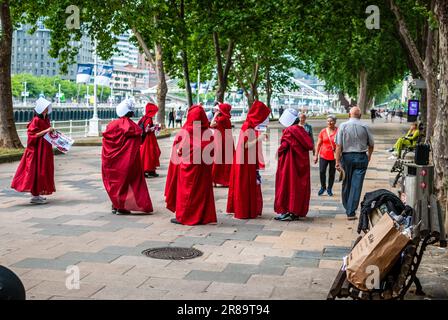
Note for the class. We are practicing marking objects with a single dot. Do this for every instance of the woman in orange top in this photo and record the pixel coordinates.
(325, 151)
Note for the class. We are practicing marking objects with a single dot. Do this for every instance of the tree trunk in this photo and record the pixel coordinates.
(8, 133)
(162, 88)
(362, 91)
(431, 76)
(158, 63)
(183, 53)
(425, 67)
(223, 73)
(268, 88)
(344, 102)
(440, 138)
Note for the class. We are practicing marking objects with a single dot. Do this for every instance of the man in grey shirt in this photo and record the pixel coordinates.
(354, 148)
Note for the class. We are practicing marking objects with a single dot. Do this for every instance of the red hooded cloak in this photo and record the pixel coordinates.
(35, 172)
(245, 199)
(149, 150)
(223, 136)
(292, 180)
(122, 171)
(189, 188)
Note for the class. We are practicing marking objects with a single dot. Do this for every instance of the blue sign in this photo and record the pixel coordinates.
(413, 107)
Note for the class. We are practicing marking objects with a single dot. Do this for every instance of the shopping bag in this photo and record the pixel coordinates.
(372, 258)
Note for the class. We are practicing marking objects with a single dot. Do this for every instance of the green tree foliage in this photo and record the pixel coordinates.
(49, 87)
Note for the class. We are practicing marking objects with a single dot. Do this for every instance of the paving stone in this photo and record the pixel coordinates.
(243, 235)
(187, 241)
(224, 276)
(253, 269)
(308, 254)
(89, 257)
(36, 263)
(289, 262)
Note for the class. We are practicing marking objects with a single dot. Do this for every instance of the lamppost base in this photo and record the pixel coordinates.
(94, 127)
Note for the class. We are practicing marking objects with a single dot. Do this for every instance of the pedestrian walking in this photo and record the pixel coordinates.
(354, 148)
(171, 118)
(149, 149)
(189, 188)
(35, 173)
(400, 115)
(373, 114)
(179, 116)
(326, 147)
(245, 199)
(121, 163)
(293, 170)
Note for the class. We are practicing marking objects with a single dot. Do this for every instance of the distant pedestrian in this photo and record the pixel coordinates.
(400, 115)
(171, 118)
(373, 114)
(354, 148)
(325, 150)
(35, 173)
(179, 115)
(280, 111)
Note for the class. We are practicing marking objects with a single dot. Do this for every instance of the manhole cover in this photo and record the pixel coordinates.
(172, 253)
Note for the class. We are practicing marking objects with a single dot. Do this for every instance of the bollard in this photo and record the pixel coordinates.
(71, 128)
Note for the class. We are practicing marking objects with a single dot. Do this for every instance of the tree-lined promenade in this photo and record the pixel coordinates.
(358, 49)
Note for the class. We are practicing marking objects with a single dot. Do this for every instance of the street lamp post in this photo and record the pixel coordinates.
(59, 95)
(94, 123)
(24, 93)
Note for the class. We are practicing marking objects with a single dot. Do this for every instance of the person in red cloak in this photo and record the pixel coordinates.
(292, 180)
(35, 173)
(224, 146)
(149, 150)
(121, 167)
(189, 188)
(245, 199)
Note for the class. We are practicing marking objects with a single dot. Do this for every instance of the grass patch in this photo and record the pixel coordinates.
(324, 116)
(10, 152)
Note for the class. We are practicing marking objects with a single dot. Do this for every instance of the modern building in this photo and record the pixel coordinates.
(144, 64)
(30, 53)
(129, 80)
(127, 52)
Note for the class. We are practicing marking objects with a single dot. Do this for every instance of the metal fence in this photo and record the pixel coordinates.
(72, 128)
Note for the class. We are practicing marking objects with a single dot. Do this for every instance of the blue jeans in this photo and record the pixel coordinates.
(355, 167)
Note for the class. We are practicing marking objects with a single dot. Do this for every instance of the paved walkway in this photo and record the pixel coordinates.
(243, 259)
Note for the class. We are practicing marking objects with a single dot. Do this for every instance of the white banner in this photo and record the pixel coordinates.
(104, 75)
(84, 73)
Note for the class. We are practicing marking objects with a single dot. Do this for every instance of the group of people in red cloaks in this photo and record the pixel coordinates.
(203, 156)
